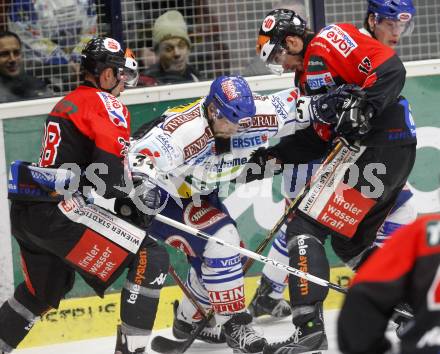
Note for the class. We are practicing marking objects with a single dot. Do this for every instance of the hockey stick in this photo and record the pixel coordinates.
(185, 290)
(292, 206)
(166, 345)
(169, 346)
(244, 251)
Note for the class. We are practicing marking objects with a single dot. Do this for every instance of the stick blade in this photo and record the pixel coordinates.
(167, 346)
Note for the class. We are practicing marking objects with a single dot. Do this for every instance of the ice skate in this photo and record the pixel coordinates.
(309, 337)
(241, 337)
(183, 329)
(263, 304)
(121, 345)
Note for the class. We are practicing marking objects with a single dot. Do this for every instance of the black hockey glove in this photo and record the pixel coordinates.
(324, 108)
(346, 109)
(142, 207)
(353, 119)
(262, 163)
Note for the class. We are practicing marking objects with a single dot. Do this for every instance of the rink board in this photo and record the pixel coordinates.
(92, 317)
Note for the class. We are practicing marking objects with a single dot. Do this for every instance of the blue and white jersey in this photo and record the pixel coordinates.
(182, 154)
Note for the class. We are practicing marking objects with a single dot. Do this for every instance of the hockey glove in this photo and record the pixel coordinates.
(353, 119)
(262, 163)
(142, 205)
(324, 108)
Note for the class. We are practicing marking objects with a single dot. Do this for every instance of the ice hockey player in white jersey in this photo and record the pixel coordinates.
(190, 151)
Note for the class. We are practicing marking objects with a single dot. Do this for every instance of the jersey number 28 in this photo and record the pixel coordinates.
(52, 138)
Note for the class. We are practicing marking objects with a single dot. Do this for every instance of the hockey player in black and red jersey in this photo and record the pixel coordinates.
(352, 204)
(406, 269)
(62, 233)
(386, 21)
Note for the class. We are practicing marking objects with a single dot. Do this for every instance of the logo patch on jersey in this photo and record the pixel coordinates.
(97, 255)
(260, 98)
(112, 45)
(227, 301)
(229, 90)
(197, 145)
(114, 108)
(103, 222)
(242, 143)
(180, 243)
(65, 106)
(268, 23)
(320, 80)
(175, 122)
(433, 233)
(281, 102)
(345, 210)
(316, 64)
(339, 39)
(68, 205)
(202, 216)
(166, 146)
(266, 121)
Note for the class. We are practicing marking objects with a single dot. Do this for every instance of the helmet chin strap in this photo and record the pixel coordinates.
(110, 90)
(98, 83)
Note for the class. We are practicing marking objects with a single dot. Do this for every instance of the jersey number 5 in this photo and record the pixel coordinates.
(52, 139)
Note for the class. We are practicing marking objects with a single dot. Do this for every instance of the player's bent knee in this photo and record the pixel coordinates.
(228, 234)
(145, 279)
(305, 241)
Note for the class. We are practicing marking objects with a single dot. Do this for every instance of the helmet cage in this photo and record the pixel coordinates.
(271, 44)
(96, 57)
(129, 73)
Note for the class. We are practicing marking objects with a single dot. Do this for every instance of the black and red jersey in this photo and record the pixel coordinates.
(406, 269)
(341, 54)
(88, 126)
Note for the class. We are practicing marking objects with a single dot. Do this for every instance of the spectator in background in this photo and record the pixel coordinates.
(15, 84)
(172, 47)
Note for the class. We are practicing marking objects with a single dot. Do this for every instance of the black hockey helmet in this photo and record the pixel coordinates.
(104, 52)
(277, 25)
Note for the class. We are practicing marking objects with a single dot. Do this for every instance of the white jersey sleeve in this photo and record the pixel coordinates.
(161, 149)
(291, 110)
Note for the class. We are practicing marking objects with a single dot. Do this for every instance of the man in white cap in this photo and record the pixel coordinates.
(172, 46)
